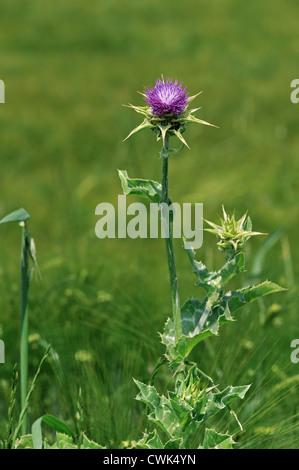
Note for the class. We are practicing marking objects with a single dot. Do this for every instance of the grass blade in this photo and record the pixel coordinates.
(51, 421)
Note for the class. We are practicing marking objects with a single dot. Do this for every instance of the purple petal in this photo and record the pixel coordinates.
(166, 97)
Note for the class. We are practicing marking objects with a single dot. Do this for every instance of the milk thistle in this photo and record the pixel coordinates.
(196, 398)
(167, 112)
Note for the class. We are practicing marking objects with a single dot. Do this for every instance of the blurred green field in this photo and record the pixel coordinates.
(68, 67)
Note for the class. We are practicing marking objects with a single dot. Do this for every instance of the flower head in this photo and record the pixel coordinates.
(167, 110)
(166, 97)
(232, 234)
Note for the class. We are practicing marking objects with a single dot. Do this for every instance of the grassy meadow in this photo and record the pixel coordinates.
(68, 67)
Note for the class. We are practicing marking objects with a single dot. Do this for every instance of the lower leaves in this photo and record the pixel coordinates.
(62, 441)
(185, 411)
(215, 440)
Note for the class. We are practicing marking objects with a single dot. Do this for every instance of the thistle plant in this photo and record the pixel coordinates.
(180, 419)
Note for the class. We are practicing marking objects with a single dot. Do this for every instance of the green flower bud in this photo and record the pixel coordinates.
(232, 234)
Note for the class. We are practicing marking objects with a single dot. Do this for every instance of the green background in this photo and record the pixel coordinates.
(68, 67)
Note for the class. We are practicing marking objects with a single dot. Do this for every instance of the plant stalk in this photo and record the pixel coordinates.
(24, 323)
(176, 310)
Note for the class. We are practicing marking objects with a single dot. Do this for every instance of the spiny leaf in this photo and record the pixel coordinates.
(199, 320)
(24, 442)
(238, 298)
(88, 444)
(162, 412)
(174, 444)
(148, 395)
(213, 281)
(215, 440)
(150, 441)
(232, 267)
(63, 441)
(140, 187)
(181, 412)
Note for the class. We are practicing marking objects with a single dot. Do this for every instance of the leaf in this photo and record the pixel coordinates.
(237, 299)
(218, 401)
(231, 268)
(215, 440)
(212, 281)
(167, 153)
(153, 441)
(162, 412)
(62, 441)
(88, 444)
(51, 421)
(19, 215)
(183, 411)
(205, 279)
(195, 317)
(173, 444)
(199, 320)
(24, 442)
(148, 395)
(150, 441)
(140, 187)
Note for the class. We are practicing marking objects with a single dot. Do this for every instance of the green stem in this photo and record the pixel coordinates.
(24, 323)
(24, 409)
(176, 310)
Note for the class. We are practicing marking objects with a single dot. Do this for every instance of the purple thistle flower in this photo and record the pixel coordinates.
(167, 111)
(166, 97)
